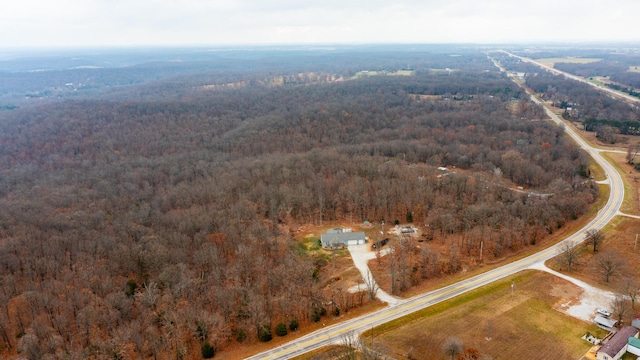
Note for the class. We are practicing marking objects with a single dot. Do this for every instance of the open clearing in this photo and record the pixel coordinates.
(383, 72)
(634, 68)
(528, 325)
(551, 61)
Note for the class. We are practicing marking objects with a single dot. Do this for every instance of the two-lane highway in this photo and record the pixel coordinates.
(335, 333)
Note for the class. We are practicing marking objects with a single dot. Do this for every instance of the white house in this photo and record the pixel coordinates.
(340, 238)
(617, 345)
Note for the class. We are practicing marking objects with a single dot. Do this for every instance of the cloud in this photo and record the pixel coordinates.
(192, 22)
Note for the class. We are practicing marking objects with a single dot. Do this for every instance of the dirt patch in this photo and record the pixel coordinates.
(569, 295)
(565, 291)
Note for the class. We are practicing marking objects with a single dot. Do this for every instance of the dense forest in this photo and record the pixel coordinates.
(154, 221)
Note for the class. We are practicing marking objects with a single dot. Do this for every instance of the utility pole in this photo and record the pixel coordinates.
(512, 284)
(372, 336)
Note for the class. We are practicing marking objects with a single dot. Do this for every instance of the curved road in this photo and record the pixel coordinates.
(335, 333)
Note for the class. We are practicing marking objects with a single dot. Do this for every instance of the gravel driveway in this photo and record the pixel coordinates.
(591, 298)
(361, 255)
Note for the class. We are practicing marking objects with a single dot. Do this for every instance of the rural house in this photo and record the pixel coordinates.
(339, 238)
(617, 345)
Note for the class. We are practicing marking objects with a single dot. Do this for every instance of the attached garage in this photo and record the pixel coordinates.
(337, 238)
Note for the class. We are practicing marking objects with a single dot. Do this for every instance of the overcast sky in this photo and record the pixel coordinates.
(53, 23)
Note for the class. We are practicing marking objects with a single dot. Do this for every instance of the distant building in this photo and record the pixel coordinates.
(408, 229)
(617, 345)
(339, 238)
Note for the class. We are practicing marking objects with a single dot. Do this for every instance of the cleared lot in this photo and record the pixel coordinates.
(525, 325)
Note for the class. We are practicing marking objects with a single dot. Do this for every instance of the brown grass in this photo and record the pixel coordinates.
(620, 234)
(620, 237)
(524, 327)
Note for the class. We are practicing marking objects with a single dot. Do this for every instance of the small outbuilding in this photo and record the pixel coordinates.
(617, 344)
(605, 323)
(633, 346)
(636, 321)
(338, 238)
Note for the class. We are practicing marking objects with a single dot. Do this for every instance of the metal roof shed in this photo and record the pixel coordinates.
(604, 322)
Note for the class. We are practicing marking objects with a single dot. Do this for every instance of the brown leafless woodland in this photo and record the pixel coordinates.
(145, 223)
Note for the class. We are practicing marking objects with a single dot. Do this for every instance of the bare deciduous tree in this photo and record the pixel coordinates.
(619, 307)
(452, 347)
(569, 256)
(372, 285)
(632, 290)
(594, 238)
(608, 264)
(349, 342)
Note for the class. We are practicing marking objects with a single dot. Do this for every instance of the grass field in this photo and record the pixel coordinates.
(525, 326)
(360, 74)
(551, 61)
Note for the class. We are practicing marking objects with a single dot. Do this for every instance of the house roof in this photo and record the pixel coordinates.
(341, 238)
(599, 319)
(634, 341)
(618, 341)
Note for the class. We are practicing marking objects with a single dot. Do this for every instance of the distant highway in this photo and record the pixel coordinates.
(617, 94)
(336, 333)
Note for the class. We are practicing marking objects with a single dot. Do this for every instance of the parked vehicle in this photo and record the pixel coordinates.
(379, 244)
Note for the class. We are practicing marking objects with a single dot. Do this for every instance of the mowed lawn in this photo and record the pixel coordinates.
(525, 326)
